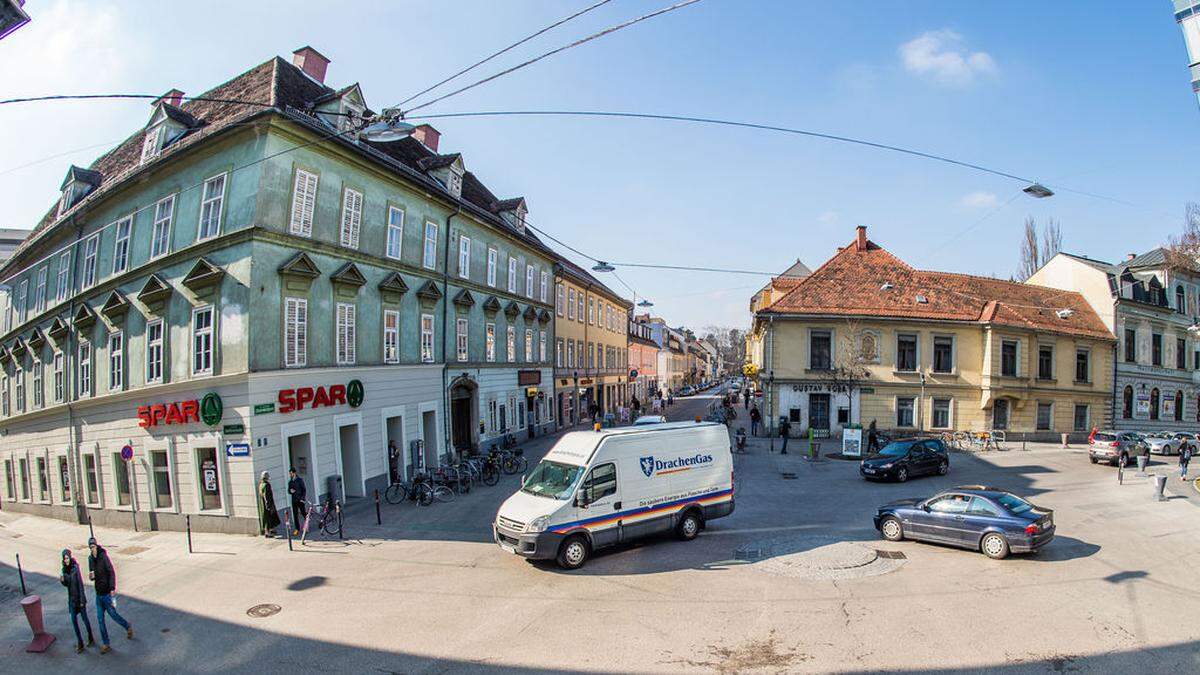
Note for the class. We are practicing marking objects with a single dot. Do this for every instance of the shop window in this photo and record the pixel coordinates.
(121, 480)
(64, 479)
(905, 406)
(941, 413)
(160, 469)
(520, 414)
(210, 479)
(91, 479)
(1178, 405)
(43, 479)
(1127, 403)
(1154, 403)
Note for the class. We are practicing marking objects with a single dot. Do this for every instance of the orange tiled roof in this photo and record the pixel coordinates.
(851, 283)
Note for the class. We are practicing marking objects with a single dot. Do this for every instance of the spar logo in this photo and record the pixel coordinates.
(651, 466)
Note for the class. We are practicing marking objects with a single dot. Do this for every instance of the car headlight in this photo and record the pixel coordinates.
(538, 524)
(887, 466)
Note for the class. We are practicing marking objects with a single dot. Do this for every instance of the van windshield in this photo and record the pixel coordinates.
(552, 479)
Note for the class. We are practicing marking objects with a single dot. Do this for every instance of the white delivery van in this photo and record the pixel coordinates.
(597, 488)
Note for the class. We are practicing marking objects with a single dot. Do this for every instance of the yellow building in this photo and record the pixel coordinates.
(867, 338)
(591, 345)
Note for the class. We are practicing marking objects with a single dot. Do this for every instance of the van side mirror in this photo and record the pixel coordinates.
(581, 499)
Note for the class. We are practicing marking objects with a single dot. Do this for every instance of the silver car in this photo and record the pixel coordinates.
(1161, 443)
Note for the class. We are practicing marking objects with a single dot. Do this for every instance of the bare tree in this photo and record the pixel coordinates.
(1183, 250)
(1030, 254)
(858, 349)
(1051, 240)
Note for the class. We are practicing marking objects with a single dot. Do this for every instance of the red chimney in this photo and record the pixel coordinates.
(174, 97)
(311, 62)
(860, 242)
(427, 135)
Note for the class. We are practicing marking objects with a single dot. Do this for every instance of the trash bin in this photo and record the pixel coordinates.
(333, 485)
(1142, 460)
(1064, 440)
(1160, 486)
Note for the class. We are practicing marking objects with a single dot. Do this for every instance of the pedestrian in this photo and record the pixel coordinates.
(755, 419)
(785, 427)
(267, 514)
(394, 461)
(1185, 456)
(872, 438)
(76, 599)
(746, 397)
(104, 580)
(636, 405)
(299, 492)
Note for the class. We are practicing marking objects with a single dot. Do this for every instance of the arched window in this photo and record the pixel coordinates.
(1154, 403)
(1127, 403)
(1179, 302)
(1179, 406)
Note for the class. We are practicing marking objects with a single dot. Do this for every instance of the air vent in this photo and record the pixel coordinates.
(921, 299)
(1065, 313)
(887, 286)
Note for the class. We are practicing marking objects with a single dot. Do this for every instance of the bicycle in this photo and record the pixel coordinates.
(438, 487)
(398, 491)
(513, 462)
(508, 441)
(329, 517)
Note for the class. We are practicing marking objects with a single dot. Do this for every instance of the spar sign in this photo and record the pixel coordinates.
(208, 410)
(291, 400)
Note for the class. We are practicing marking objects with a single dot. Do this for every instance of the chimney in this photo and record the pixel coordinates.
(860, 242)
(311, 62)
(1130, 256)
(427, 135)
(174, 97)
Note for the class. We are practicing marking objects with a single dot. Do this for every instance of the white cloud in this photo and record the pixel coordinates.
(828, 217)
(942, 56)
(980, 200)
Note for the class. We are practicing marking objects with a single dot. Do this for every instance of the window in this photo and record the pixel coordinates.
(492, 422)
(504, 417)
(121, 248)
(1083, 370)
(512, 274)
(161, 476)
(304, 202)
(591, 347)
(39, 389)
(941, 413)
(1180, 353)
(1156, 348)
(91, 479)
(460, 339)
(558, 353)
(39, 298)
(391, 336)
(24, 464)
(544, 289)
(19, 301)
(1045, 416)
(212, 199)
(427, 338)
(529, 281)
(906, 352)
(43, 479)
(1179, 302)
(116, 361)
(904, 411)
(591, 305)
(160, 233)
(819, 350)
(152, 143)
(1045, 362)
(202, 340)
(1008, 358)
(154, 352)
(9, 481)
(121, 479)
(464, 257)
(64, 479)
(511, 344)
(91, 249)
(395, 232)
(1178, 406)
(571, 304)
(528, 345)
(570, 353)
(490, 342)
(542, 355)
(429, 256)
(59, 378)
(580, 307)
(491, 267)
(64, 268)
(1081, 417)
(295, 332)
(1127, 403)
(351, 217)
(1130, 345)
(601, 482)
(818, 411)
(85, 368)
(1154, 402)
(559, 299)
(346, 320)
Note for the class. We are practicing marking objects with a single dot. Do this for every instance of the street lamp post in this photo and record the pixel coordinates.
(770, 400)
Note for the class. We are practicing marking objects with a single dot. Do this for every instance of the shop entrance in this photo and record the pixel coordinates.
(429, 438)
(299, 448)
(351, 459)
(531, 416)
(462, 415)
(393, 444)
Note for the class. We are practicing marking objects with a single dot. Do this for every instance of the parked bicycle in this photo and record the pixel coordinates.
(512, 461)
(327, 517)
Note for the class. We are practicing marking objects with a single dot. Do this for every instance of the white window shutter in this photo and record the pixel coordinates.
(351, 218)
(350, 341)
(304, 201)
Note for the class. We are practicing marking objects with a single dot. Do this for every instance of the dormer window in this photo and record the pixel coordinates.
(521, 219)
(77, 184)
(455, 180)
(68, 196)
(153, 143)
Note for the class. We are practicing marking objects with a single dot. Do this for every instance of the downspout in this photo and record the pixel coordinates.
(1112, 400)
(446, 332)
(73, 458)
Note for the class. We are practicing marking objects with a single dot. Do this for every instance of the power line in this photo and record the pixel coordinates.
(972, 226)
(502, 51)
(687, 268)
(61, 154)
(606, 31)
(88, 97)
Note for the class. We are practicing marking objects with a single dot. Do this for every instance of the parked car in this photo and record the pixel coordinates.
(977, 517)
(1162, 443)
(687, 391)
(1115, 447)
(900, 460)
(649, 419)
(1186, 439)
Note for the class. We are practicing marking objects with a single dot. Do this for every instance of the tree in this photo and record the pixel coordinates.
(1035, 253)
(1183, 250)
(858, 349)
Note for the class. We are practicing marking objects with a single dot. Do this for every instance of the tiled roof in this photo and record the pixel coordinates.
(180, 115)
(852, 283)
(439, 161)
(507, 204)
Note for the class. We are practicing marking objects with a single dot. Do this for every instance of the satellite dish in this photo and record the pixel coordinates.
(386, 130)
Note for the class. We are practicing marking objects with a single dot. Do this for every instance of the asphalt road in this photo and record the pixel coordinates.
(761, 591)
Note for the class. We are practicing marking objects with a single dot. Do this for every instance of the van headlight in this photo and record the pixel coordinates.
(538, 524)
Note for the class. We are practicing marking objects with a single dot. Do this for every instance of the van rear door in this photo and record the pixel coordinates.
(603, 491)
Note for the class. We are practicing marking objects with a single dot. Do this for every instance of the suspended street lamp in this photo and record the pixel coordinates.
(1038, 191)
(602, 266)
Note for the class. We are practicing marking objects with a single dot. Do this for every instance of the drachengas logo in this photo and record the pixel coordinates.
(648, 466)
(651, 466)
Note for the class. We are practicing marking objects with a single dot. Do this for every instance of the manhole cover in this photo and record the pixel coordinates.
(263, 611)
(891, 555)
(748, 553)
(821, 557)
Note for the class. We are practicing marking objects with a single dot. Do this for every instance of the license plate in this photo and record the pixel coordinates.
(508, 548)
(868, 470)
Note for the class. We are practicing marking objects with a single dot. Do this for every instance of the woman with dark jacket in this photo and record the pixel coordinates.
(76, 599)
(268, 515)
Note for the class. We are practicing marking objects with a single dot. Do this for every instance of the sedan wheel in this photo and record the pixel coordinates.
(943, 468)
(994, 546)
(901, 475)
(891, 529)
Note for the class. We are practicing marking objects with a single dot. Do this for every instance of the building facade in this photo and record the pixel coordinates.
(643, 360)
(867, 338)
(1152, 308)
(241, 288)
(1187, 15)
(591, 349)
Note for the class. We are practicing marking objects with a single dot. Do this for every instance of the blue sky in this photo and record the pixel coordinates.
(1089, 95)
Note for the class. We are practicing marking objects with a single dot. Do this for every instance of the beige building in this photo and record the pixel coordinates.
(868, 338)
(591, 345)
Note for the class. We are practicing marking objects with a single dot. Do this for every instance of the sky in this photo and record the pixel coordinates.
(1087, 96)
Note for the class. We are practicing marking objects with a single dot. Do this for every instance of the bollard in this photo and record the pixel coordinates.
(188, 522)
(287, 527)
(1141, 463)
(1160, 485)
(32, 604)
(21, 576)
(91, 532)
(378, 517)
(1121, 474)
(1064, 441)
(337, 507)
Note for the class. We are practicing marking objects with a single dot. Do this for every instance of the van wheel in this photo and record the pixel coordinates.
(574, 552)
(689, 526)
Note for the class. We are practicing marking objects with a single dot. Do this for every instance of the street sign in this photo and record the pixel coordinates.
(233, 429)
(264, 408)
(237, 449)
(127, 452)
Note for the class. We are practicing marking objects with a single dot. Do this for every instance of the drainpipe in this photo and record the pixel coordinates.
(446, 332)
(1112, 400)
(73, 458)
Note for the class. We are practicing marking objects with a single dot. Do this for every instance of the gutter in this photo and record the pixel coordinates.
(446, 334)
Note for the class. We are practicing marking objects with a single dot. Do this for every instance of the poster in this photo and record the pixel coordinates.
(852, 442)
(208, 469)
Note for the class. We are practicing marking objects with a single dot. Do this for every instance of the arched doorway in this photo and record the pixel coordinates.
(1154, 402)
(1127, 403)
(464, 405)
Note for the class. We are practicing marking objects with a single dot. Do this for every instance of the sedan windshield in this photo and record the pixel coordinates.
(552, 479)
(1014, 503)
(897, 449)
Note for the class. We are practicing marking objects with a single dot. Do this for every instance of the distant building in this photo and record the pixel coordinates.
(12, 16)
(1187, 14)
(10, 239)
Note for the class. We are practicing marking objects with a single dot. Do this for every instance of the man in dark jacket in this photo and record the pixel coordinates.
(299, 492)
(785, 430)
(76, 598)
(104, 576)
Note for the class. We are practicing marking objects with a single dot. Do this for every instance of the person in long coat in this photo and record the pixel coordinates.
(72, 578)
(268, 515)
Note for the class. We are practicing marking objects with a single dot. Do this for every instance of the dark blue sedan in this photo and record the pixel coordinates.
(974, 516)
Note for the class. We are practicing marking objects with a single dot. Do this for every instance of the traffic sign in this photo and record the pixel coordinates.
(127, 452)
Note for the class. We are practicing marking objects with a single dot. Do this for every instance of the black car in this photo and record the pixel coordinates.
(900, 460)
(972, 516)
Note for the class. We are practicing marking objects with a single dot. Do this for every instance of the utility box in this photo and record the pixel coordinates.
(416, 457)
(333, 485)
